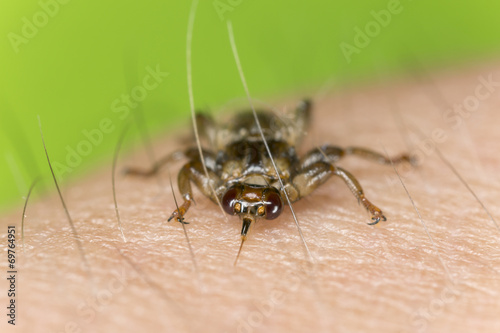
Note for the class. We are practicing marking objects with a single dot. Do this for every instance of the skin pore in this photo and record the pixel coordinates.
(385, 278)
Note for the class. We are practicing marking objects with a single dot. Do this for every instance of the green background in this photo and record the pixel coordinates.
(89, 53)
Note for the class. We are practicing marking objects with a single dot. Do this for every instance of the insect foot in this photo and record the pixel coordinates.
(375, 212)
(179, 212)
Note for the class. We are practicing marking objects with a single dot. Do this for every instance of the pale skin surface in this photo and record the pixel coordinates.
(364, 278)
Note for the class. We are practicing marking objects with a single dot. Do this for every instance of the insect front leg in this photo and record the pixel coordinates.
(314, 175)
(194, 172)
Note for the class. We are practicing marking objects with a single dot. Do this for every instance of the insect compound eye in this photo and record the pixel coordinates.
(229, 200)
(274, 204)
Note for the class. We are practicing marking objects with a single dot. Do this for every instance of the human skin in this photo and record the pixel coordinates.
(384, 278)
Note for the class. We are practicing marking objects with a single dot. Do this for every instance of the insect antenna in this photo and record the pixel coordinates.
(24, 208)
(113, 172)
(448, 275)
(189, 39)
(180, 219)
(70, 220)
(243, 81)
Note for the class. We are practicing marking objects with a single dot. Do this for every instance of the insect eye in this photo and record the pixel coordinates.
(274, 204)
(229, 200)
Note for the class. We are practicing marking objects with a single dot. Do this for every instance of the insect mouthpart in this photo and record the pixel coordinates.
(247, 222)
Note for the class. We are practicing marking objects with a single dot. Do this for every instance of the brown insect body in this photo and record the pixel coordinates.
(249, 186)
(241, 176)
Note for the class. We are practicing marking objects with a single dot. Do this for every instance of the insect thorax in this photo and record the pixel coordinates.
(244, 156)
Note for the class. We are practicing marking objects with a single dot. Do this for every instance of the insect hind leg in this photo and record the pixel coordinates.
(156, 167)
(332, 154)
(377, 157)
(303, 115)
(207, 128)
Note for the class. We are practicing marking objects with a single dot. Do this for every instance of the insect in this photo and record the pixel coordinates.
(241, 176)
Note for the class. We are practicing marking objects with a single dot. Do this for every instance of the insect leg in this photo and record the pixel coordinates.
(325, 153)
(191, 153)
(380, 158)
(193, 172)
(207, 128)
(356, 189)
(302, 120)
(328, 153)
(309, 178)
(156, 167)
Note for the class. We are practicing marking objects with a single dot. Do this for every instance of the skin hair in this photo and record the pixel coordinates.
(385, 278)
